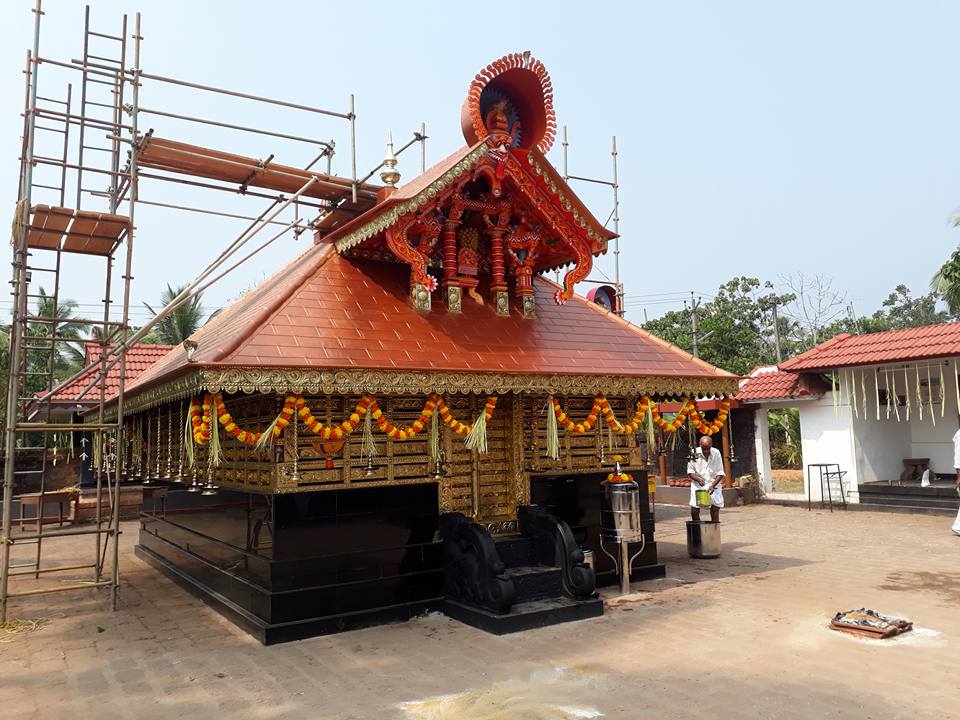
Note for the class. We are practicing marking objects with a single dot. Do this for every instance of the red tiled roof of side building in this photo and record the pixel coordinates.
(327, 311)
(771, 383)
(845, 350)
(139, 358)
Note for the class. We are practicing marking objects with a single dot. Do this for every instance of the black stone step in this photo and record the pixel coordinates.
(524, 616)
(901, 508)
(516, 551)
(535, 582)
(912, 500)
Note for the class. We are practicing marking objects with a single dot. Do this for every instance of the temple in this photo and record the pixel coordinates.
(409, 415)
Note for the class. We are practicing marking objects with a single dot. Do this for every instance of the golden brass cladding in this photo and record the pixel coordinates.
(487, 488)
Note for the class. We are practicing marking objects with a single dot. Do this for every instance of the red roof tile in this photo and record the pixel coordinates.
(139, 358)
(845, 350)
(770, 383)
(324, 310)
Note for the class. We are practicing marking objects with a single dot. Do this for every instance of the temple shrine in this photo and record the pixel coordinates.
(409, 415)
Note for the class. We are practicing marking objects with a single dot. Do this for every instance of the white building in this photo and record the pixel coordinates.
(867, 404)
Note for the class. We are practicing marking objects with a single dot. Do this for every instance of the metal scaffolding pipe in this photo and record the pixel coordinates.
(247, 96)
(231, 126)
(16, 329)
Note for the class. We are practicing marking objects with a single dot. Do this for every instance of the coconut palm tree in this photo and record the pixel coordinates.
(946, 281)
(182, 322)
(68, 351)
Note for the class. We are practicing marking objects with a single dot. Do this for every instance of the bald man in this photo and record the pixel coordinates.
(705, 471)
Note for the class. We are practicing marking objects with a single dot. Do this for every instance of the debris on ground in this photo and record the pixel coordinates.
(869, 623)
(18, 626)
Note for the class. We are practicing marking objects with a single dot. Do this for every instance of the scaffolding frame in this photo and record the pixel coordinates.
(614, 215)
(122, 83)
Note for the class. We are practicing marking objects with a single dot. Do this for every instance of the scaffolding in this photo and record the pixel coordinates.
(100, 139)
(614, 215)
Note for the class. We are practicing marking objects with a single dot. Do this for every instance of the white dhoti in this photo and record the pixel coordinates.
(956, 524)
(716, 497)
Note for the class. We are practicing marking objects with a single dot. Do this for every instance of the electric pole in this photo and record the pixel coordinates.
(694, 304)
(776, 332)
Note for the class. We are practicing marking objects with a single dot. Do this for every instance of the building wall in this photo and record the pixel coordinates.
(934, 442)
(827, 437)
(881, 447)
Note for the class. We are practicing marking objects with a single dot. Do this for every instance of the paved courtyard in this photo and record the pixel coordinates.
(743, 636)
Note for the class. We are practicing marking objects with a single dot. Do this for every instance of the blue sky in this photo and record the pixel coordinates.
(755, 138)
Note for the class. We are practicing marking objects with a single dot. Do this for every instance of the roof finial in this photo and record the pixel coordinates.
(390, 175)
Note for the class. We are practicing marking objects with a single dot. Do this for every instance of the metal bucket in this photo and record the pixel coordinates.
(620, 510)
(703, 498)
(703, 539)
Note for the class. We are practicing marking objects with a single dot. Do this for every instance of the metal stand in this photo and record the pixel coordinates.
(828, 472)
(623, 562)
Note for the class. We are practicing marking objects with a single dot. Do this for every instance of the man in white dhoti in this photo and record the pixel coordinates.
(706, 473)
(956, 465)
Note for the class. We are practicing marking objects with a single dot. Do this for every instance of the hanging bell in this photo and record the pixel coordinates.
(209, 488)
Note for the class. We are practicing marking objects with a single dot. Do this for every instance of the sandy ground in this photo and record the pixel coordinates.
(744, 636)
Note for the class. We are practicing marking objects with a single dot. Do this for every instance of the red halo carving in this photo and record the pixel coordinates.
(525, 81)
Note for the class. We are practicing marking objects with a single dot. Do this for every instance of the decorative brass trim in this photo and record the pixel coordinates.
(354, 382)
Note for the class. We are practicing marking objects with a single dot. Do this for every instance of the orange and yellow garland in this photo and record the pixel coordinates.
(601, 406)
(200, 418)
(296, 405)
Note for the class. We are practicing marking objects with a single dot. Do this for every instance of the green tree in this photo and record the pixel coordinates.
(67, 351)
(182, 322)
(734, 328)
(946, 281)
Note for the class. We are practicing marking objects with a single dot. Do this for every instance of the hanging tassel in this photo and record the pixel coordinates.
(188, 442)
(919, 395)
(876, 386)
(651, 434)
(956, 384)
(863, 392)
(886, 384)
(896, 397)
(434, 435)
(477, 437)
(216, 452)
(833, 392)
(906, 389)
(852, 384)
(266, 438)
(369, 448)
(553, 436)
(943, 393)
(933, 415)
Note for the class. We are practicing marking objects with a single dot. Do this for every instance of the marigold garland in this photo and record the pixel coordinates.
(601, 406)
(460, 427)
(678, 419)
(708, 428)
(296, 406)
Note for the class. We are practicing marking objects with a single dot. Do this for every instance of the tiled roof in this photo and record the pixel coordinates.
(771, 383)
(930, 341)
(139, 358)
(324, 310)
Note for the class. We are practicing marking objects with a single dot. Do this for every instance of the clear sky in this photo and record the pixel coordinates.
(756, 138)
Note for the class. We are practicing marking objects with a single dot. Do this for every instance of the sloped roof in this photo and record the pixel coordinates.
(139, 358)
(327, 311)
(771, 383)
(845, 350)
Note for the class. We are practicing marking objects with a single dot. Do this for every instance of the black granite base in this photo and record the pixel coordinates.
(291, 566)
(524, 616)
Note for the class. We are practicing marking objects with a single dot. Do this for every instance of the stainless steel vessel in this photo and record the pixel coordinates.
(620, 511)
(703, 539)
